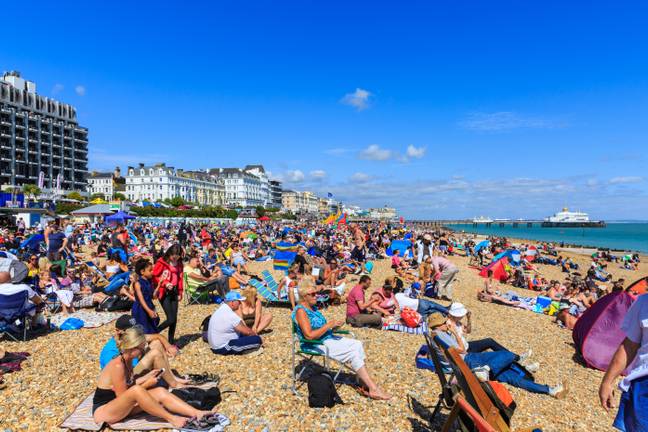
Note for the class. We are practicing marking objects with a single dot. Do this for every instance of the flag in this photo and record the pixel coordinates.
(282, 259)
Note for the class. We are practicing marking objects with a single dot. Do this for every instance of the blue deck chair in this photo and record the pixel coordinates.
(265, 292)
(15, 307)
(272, 284)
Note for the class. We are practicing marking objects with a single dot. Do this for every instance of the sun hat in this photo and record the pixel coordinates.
(435, 320)
(233, 296)
(457, 310)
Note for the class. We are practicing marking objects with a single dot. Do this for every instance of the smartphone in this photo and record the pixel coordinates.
(160, 372)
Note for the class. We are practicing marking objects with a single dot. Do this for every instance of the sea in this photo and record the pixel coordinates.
(626, 236)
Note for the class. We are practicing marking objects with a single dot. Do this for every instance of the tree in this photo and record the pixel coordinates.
(75, 196)
(176, 201)
(120, 196)
(31, 190)
(260, 211)
(97, 196)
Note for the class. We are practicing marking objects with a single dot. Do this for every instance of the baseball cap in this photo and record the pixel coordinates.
(457, 310)
(233, 296)
(125, 322)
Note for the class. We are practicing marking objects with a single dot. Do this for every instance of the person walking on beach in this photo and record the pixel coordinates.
(632, 415)
(143, 309)
(167, 278)
(444, 271)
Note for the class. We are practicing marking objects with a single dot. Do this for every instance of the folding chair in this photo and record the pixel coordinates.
(475, 396)
(269, 296)
(308, 349)
(268, 279)
(194, 294)
(15, 307)
(449, 388)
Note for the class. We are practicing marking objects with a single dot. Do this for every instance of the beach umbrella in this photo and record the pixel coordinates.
(263, 219)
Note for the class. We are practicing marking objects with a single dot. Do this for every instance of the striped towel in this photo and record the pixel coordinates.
(421, 329)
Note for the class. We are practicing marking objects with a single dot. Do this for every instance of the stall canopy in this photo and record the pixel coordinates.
(119, 217)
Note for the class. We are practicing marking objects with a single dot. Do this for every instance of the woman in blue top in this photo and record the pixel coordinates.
(143, 309)
(311, 324)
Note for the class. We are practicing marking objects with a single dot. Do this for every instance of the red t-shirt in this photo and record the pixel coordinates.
(355, 295)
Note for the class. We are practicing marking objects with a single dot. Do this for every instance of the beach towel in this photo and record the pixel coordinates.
(91, 319)
(421, 329)
(81, 418)
(11, 361)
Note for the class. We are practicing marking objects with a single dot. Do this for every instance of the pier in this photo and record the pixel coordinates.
(528, 223)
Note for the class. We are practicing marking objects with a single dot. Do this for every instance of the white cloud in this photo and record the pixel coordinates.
(294, 176)
(359, 99)
(504, 121)
(360, 177)
(318, 174)
(58, 88)
(80, 90)
(415, 152)
(625, 180)
(374, 152)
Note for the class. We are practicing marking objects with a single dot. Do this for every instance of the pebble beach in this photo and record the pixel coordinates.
(63, 368)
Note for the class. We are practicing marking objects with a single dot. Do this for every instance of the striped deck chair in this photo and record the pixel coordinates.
(272, 284)
(265, 292)
(92, 266)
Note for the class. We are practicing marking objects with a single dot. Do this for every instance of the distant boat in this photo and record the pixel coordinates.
(569, 219)
(482, 219)
(502, 220)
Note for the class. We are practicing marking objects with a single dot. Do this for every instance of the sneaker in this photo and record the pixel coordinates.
(532, 367)
(482, 373)
(255, 352)
(525, 356)
(559, 391)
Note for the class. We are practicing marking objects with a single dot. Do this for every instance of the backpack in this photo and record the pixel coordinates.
(322, 392)
(201, 399)
(115, 303)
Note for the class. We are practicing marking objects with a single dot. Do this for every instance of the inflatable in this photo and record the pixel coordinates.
(597, 333)
(399, 245)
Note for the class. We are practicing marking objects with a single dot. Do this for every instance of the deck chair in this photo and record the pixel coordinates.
(309, 349)
(268, 295)
(449, 388)
(92, 266)
(15, 307)
(475, 396)
(194, 294)
(268, 279)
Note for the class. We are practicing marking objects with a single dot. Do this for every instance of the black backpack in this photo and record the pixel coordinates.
(201, 399)
(322, 392)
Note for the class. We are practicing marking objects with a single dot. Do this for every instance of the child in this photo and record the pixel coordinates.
(143, 309)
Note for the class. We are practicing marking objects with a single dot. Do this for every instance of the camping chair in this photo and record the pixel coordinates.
(449, 388)
(194, 293)
(308, 349)
(15, 307)
(92, 266)
(475, 396)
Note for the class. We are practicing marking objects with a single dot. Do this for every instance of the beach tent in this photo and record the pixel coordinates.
(119, 217)
(639, 287)
(598, 333)
(33, 242)
(399, 245)
(499, 269)
(512, 255)
(531, 253)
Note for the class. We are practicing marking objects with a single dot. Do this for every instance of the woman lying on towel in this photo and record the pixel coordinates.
(119, 393)
(489, 295)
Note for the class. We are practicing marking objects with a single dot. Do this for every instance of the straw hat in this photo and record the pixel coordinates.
(435, 320)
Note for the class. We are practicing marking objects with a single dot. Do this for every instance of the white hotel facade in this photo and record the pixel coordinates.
(159, 182)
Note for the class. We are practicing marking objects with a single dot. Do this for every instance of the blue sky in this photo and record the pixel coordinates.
(441, 109)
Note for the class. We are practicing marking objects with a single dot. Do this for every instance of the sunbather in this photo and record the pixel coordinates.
(121, 393)
(311, 324)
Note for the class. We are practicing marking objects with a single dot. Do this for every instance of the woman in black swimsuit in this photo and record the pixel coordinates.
(118, 394)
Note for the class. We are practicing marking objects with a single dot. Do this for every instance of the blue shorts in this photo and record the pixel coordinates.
(633, 408)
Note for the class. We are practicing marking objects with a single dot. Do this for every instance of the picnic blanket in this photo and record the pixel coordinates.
(397, 326)
(81, 419)
(91, 319)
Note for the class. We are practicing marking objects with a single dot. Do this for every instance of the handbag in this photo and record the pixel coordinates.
(410, 317)
(322, 392)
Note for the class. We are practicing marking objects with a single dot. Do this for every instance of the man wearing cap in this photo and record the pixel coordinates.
(445, 271)
(156, 357)
(12, 273)
(227, 333)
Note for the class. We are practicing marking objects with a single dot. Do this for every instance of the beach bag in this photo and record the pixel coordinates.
(72, 324)
(410, 317)
(322, 392)
(115, 303)
(201, 399)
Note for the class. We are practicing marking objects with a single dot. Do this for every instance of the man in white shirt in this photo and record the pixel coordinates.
(410, 299)
(633, 352)
(227, 333)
